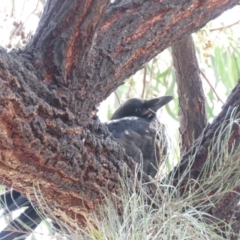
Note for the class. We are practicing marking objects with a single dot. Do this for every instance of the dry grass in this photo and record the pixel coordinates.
(170, 215)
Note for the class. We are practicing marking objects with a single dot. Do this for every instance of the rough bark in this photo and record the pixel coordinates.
(225, 206)
(81, 52)
(193, 119)
(73, 48)
(192, 110)
(210, 132)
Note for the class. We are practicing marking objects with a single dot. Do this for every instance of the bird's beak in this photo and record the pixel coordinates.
(156, 103)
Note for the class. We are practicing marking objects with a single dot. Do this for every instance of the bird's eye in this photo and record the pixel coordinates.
(138, 110)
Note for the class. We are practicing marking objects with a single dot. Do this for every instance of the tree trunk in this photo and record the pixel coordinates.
(81, 52)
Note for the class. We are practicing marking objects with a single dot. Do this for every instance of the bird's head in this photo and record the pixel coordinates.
(137, 107)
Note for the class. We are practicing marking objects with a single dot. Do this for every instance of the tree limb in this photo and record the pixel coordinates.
(49, 136)
(190, 92)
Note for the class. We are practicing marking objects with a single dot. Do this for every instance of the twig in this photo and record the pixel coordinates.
(144, 80)
(224, 27)
(12, 11)
(150, 76)
(129, 89)
(116, 95)
(211, 86)
(21, 25)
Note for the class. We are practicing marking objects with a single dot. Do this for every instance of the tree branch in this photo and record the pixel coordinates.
(100, 55)
(190, 92)
(201, 147)
(41, 142)
(49, 90)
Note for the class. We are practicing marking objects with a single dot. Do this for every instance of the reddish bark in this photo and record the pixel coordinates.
(81, 52)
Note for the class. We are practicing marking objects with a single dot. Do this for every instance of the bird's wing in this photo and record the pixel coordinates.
(138, 137)
(13, 200)
(24, 224)
(136, 124)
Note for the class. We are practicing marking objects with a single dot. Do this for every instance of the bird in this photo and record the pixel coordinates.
(135, 125)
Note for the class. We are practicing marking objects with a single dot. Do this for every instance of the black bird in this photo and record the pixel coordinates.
(137, 127)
